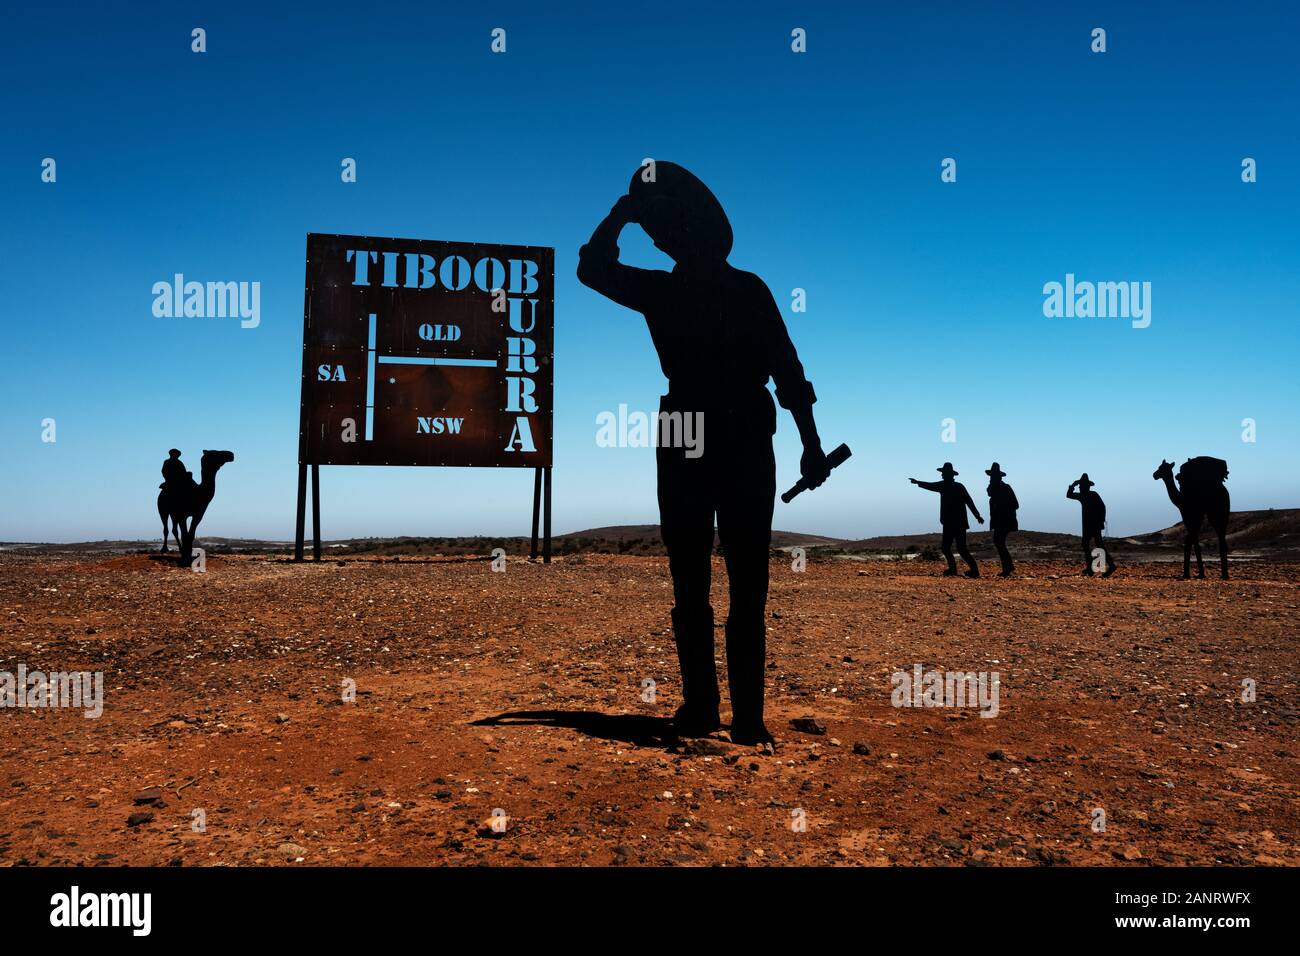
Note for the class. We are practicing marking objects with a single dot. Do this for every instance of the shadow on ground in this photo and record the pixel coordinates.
(628, 728)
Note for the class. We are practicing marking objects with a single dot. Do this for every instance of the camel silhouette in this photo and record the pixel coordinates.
(1199, 494)
(190, 500)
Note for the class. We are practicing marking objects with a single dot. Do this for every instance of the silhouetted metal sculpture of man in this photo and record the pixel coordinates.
(720, 337)
(954, 499)
(1094, 520)
(173, 470)
(1002, 515)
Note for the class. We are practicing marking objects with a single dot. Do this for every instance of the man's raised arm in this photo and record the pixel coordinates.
(599, 268)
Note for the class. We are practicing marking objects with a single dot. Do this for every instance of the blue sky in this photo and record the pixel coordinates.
(924, 298)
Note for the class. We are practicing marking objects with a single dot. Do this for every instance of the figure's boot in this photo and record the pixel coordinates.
(746, 658)
(698, 715)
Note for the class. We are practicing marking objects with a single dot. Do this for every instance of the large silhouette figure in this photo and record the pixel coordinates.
(1199, 494)
(1094, 520)
(1002, 515)
(720, 337)
(186, 498)
(954, 499)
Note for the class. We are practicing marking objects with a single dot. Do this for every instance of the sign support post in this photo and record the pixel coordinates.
(315, 512)
(537, 508)
(302, 511)
(546, 541)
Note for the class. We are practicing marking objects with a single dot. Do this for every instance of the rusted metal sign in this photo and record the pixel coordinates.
(418, 352)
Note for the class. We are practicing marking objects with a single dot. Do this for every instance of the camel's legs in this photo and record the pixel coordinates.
(1200, 565)
(187, 549)
(176, 530)
(1187, 556)
(164, 547)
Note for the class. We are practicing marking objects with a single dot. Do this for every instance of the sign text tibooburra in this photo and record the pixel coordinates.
(417, 352)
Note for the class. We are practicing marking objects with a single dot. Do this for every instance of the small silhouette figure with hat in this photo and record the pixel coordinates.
(1094, 520)
(175, 480)
(1002, 515)
(954, 499)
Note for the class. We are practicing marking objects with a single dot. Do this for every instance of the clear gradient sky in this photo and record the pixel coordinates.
(924, 298)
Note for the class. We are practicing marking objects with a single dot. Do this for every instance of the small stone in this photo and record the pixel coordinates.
(139, 817)
(704, 747)
(808, 725)
(292, 851)
(149, 795)
(861, 749)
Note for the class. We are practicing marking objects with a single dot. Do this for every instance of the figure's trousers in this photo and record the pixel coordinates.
(735, 479)
(955, 534)
(1000, 542)
(1089, 535)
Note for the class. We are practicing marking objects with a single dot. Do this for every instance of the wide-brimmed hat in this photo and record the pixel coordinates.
(1084, 482)
(996, 471)
(947, 470)
(688, 205)
(174, 452)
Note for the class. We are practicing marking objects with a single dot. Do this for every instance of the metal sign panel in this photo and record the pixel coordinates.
(418, 352)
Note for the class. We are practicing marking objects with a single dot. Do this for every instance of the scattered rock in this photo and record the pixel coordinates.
(704, 747)
(808, 725)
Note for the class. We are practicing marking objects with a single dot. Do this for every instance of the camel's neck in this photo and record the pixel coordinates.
(1174, 494)
(209, 482)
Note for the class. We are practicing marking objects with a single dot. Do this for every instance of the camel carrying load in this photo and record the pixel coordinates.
(1199, 495)
(1203, 472)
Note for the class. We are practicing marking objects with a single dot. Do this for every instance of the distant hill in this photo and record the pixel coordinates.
(1272, 534)
(1274, 529)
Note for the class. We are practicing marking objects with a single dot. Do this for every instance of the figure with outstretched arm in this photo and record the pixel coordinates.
(719, 337)
(954, 500)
